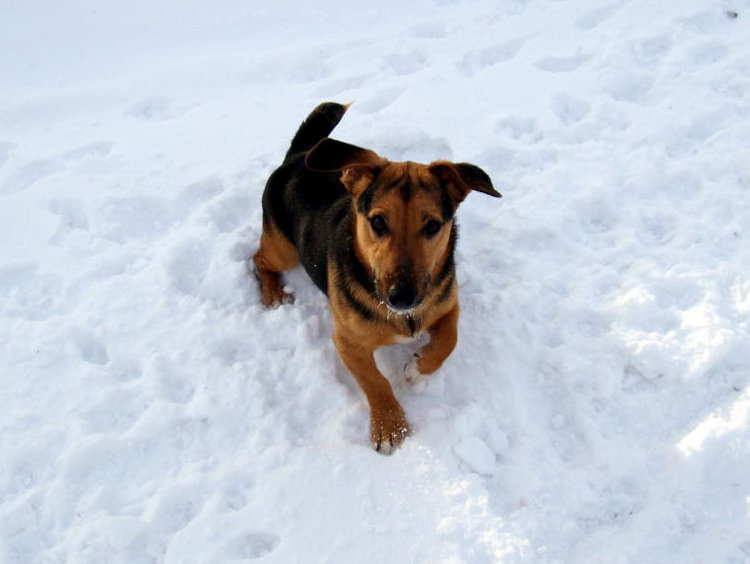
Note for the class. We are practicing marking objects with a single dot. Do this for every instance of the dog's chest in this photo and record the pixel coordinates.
(403, 339)
(409, 330)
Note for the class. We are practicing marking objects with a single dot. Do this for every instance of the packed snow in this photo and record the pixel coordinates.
(597, 407)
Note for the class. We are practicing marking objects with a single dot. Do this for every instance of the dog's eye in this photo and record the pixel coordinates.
(379, 225)
(431, 228)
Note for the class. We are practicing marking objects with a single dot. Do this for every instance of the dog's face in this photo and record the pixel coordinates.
(403, 224)
(403, 229)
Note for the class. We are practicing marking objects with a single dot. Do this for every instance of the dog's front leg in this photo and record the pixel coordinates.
(443, 338)
(388, 425)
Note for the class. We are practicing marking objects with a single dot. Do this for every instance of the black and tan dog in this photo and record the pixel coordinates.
(378, 238)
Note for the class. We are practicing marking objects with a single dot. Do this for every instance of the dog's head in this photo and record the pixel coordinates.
(403, 228)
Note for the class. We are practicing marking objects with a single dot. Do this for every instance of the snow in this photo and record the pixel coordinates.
(597, 406)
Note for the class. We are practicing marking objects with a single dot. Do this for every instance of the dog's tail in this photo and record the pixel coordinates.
(318, 125)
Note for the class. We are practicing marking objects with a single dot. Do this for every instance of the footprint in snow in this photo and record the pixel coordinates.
(428, 30)
(73, 218)
(521, 129)
(171, 384)
(27, 293)
(480, 59)
(90, 347)
(5, 149)
(208, 198)
(706, 54)
(27, 175)
(475, 453)
(117, 412)
(652, 50)
(337, 87)
(237, 493)
(157, 108)
(598, 16)
(175, 507)
(95, 149)
(253, 545)
(125, 370)
(380, 100)
(187, 263)
(202, 190)
(561, 64)
(406, 63)
(132, 218)
(628, 86)
(568, 109)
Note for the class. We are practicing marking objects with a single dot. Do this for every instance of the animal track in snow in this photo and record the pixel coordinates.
(171, 384)
(72, 218)
(380, 100)
(131, 218)
(5, 149)
(337, 87)
(27, 293)
(175, 507)
(187, 264)
(237, 493)
(480, 59)
(118, 411)
(521, 129)
(628, 86)
(568, 109)
(29, 174)
(414, 145)
(407, 62)
(561, 64)
(706, 53)
(90, 347)
(253, 545)
(475, 453)
(95, 149)
(125, 369)
(157, 108)
(71, 212)
(428, 30)
(598, 16)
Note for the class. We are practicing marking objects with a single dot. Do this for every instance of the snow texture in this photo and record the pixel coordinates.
(597, 407)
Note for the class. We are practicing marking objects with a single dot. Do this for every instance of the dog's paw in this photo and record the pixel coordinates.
(275, 299)
(272, 292)
(388, 429)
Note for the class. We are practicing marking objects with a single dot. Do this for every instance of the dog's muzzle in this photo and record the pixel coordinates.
(402, 297)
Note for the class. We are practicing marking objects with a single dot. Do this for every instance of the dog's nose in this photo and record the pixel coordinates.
(402, 297)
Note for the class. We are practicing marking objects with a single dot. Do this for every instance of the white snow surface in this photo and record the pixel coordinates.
(597, 407)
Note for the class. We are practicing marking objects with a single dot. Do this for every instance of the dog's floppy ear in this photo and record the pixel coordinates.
(462, 178)
(358, 166)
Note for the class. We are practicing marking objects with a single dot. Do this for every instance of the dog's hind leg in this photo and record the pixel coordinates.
(275, 255)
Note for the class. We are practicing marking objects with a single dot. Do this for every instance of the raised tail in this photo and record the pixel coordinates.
(318, 125)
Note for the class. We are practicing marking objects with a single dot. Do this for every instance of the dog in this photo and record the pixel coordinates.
(378, 238)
